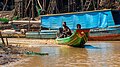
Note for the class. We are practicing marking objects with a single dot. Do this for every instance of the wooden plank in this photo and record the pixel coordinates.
(27, 22)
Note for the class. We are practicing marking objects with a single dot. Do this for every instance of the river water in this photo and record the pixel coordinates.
(95, 54)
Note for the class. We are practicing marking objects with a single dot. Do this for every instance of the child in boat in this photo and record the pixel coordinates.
(78, 26)
(59, 33)
(65, 31)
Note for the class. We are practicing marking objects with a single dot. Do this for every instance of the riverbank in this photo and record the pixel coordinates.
(95, 53)
(35, 45)
(25, 41)
(10, 53)
(14, 52)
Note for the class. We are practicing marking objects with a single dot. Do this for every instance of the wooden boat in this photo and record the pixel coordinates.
(77, 39)
(107, 34)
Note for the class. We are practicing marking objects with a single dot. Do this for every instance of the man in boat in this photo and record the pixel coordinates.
(65, 31)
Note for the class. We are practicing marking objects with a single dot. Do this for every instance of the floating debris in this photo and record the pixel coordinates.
(35, 53)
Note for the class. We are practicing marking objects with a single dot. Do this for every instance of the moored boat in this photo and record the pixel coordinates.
(77, 39)
(107, 34)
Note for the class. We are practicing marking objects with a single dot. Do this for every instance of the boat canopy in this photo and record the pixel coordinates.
(87, 19)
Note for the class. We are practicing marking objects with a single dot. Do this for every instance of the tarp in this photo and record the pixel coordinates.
(93, 19)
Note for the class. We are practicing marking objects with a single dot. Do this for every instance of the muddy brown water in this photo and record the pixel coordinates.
(95, 54)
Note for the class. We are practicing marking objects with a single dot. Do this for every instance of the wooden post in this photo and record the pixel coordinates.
(62, 5)
(27, 7)
(44, 4)
(29, 25)
(32, 9)
(94, 4)
(98, 2)
(22, 8)
(3, 42)
(68, 5)
(7, 41)
(39, 4)
(52, 7)
(81, 5)
(5, 5)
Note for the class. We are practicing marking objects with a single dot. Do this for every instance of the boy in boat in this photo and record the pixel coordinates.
(65, 31)
(78, 26)
(59, 33)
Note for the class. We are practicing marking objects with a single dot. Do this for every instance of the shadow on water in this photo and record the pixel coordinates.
(91, 47)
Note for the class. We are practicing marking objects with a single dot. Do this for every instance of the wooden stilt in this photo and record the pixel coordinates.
(52, 7)
(3, 42)
(93, 2)
(23, 7)
(29, 25)
(74, 5)
(33, 9)
(27, 6)
(5, 5)
(81, 4)
(98, 2)
(39, 4)
(87, 5)
(68, 5)
(44, 4)
(7, 41)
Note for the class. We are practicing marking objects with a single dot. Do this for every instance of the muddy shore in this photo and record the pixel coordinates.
(17, 46)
